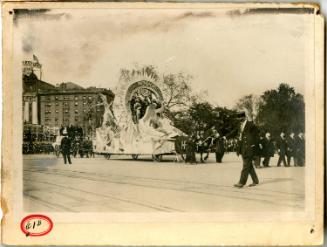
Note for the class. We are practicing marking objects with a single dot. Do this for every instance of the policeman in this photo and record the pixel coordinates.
(65, 147)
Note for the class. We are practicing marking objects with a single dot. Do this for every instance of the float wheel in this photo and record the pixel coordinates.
(135, 156)
(157, 157)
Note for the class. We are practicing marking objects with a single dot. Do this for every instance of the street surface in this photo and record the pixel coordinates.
(124, 185)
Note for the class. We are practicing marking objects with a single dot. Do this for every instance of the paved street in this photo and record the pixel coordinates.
(124, 185)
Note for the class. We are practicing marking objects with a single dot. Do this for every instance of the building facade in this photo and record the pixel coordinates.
(46, 106)
(81, 107)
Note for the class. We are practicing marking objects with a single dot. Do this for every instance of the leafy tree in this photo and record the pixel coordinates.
(281, 110)
(203, 116)
(227, 122)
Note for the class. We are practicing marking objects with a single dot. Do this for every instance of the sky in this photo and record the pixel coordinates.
(229, 53)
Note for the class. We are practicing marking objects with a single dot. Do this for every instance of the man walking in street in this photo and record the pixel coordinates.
(268, 150)
(282, 148)
(247, 148)
(65, 147)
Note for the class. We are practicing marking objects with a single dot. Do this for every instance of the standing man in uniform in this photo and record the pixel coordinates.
(65, 147)
(248, 143)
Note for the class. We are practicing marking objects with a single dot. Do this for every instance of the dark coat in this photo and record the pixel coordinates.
(65, 144)
(218, 145)
(249, 141)
(291, 146)
(190, 150)
(268, 148)
(282, 146)
(300, 147)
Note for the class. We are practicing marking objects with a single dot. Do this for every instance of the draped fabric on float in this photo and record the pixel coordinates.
(153, 133)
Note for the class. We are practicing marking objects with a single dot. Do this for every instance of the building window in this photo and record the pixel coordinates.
(65, 97)
(66, 111)
(84, 103)
(76, 98)
(56, 98)
(76, 111)
(84, 110)
(76, 119)
(84, 97)
(57, 111)
(65, 103)
(76, 103)
(57, 104)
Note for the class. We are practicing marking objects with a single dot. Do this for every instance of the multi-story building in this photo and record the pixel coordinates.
(77, 107)
(46, 106)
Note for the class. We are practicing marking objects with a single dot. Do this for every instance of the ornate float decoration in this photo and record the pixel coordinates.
(134, 123)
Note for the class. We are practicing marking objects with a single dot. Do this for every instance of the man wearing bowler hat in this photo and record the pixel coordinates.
(247, 148)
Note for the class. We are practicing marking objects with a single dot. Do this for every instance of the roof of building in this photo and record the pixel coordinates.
(74, 92)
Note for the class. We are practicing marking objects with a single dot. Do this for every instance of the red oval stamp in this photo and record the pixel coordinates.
(36, 225)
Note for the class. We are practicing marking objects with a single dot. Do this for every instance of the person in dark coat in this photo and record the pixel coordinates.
(300, 150)
(268, 149)
(257, 158)
(247, 146)
(190, 150)
(282, 149)
(291, 149)
(218, 147)
(85, 146)
(65, 147)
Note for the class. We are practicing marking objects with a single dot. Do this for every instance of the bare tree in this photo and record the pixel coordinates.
(177, 91)
(251, 103)
(176, 88)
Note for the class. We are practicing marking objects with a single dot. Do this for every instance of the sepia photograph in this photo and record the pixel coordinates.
(163, 113)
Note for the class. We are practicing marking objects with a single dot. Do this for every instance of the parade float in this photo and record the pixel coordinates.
(134, 123)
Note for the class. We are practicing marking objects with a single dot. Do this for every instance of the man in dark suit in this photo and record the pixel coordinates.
(247, 148)
(291, 149)
(218, 146)
(300, 150)
(282, 148)
(65, 147)
(190, 150)
(268, 149)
